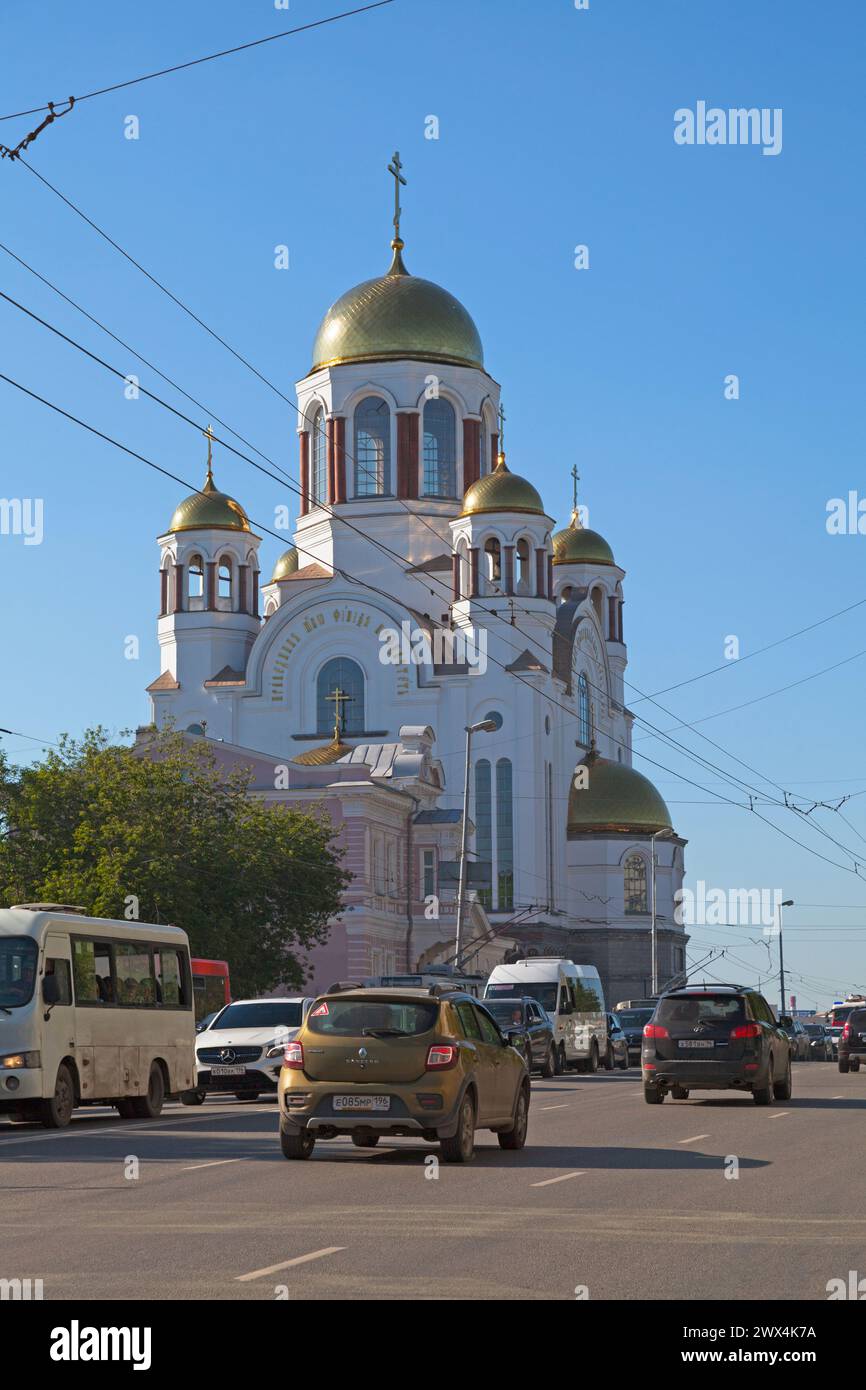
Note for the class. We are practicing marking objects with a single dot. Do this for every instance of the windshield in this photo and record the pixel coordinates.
(504, 1011)
(687, 1010)
(357, 1018)
(272, 1014)
(634, 1018)
(17, 971)
(543, 994)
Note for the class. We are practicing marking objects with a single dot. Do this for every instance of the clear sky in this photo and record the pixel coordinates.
(555, 129)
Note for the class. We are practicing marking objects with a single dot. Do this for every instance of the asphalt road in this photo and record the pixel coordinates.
(610, 1195)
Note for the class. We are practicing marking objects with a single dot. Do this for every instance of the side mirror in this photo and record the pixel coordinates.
(51, 989)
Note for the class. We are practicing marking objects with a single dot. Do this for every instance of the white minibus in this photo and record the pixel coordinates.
(571, 996)
(92, 1011)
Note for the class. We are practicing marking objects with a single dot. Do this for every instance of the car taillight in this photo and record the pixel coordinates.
(846, 1031)
(441, 1055)
(746, 1030)
(293, 1057)
(655, 1030)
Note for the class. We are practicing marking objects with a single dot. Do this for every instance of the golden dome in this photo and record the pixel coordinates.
(501, 491)
(394, 317)
(577, 545)
(286, 565)
(209, 510)
(616, 798)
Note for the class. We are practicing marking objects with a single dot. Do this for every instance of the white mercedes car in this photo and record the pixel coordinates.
(241, 1052)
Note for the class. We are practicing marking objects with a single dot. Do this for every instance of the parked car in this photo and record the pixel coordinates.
(715, 1037)
(617, 1045)
(820, 1042)
(852, 1042)
(539, 1047)
(798, 1037)
(633, 1021)
(242, 1050)
(432, 1064)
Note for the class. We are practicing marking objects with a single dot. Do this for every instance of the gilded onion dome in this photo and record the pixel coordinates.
(577, 545)
(397, 317)
(210, 509)
(616, 798)
(501, 491)
(286, 565)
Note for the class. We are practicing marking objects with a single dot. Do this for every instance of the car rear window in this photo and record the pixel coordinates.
(687, 1010)
(356, 1018)
(857, 1018)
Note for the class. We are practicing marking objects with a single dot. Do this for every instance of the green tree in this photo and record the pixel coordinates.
(99, 824)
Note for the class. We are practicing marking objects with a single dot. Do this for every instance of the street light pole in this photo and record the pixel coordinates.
(789, 902)
(485, 726)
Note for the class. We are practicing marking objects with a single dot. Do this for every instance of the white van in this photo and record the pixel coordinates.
(572, 997)
(92, 1011)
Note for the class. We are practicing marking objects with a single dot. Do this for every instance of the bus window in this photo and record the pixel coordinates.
(91, 969)
(171, 978)
(59, 967)
(135, 983)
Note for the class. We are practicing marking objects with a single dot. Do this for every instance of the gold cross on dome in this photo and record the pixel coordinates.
(209, 436)
(395, 168)
(575, 480)
(339, 698)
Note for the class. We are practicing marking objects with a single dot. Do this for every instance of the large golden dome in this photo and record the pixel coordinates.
(501, 491)
(209, 510)
(286, 565)
(577, 545)
(394, 317)
(616, 798)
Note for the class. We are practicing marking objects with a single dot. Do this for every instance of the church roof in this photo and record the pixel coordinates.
(164, 682)
(209, 510)
(527, 661)
(575, 544)
(616, 798)
(502, 491)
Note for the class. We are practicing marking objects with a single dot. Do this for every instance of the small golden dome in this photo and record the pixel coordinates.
(501, 491)
(209, 510)
(396, 317)
(616, 798)
(577, 545)
(286, 565)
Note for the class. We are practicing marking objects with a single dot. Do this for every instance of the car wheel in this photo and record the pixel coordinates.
(763, 1095)
(679, 1093)
(652, 1095)
(193, 1097)
(592, 1064)
(563, 1061)
(608, 1058)
(843, 1066)
(623, 1065)
(548, 1068)
(782, 1089)
(527, 1057)
(57, 1112)
(855, 1065)
(299, 1145)
(460, 1148)
(365, 1141)
(149, 1107)
(515, 1138)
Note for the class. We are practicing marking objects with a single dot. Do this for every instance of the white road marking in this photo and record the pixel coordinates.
(287, 1264)
(694, 1139)
(552, 1107)
(779, 1114)
(214, 1163)
(548, 1182)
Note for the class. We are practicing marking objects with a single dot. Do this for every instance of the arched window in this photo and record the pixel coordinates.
(344, 675)
(504, 835)
(483, 448)
(584, 724)
(567, 594)
(523, 576)
(493, 561)
(597, 600)
(319, 470)
(636, 899)
(484, 830)
(372, 447)
(224, 578)
(195, 577)
(440, 449)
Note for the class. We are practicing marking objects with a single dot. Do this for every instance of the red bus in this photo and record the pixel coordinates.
(210, 986)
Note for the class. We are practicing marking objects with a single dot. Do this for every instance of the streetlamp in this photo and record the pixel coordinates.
(484, 726)
(655, 943)
(789, 902)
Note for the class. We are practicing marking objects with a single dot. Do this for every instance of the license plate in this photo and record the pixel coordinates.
(696, 1042)
(367, 1103)
(228, 1071)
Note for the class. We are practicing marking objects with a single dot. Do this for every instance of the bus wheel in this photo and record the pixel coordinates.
(57, 1112)
(125, 1109)
(193, 1097)
(149, 1107)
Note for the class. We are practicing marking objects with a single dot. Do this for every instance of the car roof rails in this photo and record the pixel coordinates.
(438, 991)
(709, 984)
(341, 986)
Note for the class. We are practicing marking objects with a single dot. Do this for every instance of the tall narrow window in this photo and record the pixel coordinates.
(584, 731)
(224, 578)
(484, 449)
(428, 873)
(195, 575)
(524, 578)
(319, 471)
(484, 829)
(372, 447)
(504, 836)
(635, 884)
(440, 449)
(343, 679)
(493, 562)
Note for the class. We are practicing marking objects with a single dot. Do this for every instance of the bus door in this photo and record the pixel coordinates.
(58, 1028)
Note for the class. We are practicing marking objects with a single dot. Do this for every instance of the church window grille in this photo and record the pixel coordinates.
(584, 727)
(372, 447)
(504, 835)
(440, 449)
(340, 673)
(636, 896)
(319, 478)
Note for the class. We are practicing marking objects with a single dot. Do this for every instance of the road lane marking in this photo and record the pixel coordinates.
(548, 1182)
(780, 1114)
(287, 1264)
(694, 1139)
(214, 1163)
(564, 1106)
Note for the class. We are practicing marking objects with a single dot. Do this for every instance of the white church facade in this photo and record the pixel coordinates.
(426, 590)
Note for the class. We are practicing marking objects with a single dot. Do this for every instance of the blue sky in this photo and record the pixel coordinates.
(556, 128)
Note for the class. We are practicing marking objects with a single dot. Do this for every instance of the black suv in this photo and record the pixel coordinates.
(539, 1044)
(714, 1038)
(852, 1041)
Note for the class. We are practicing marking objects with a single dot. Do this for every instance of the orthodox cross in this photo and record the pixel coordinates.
(209, 436)
(394, 168)
(575, 480)
(339, 698)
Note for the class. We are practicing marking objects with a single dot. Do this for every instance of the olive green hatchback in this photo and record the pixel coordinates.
(432, 1064)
